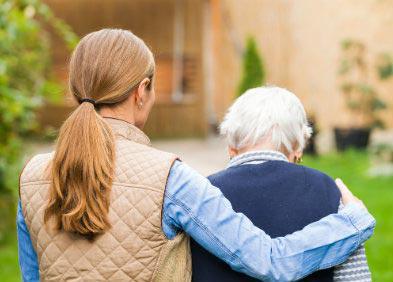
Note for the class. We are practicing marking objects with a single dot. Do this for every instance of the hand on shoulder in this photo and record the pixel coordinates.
(347, 196)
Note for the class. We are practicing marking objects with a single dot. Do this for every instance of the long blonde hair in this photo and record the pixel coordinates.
(105, 66)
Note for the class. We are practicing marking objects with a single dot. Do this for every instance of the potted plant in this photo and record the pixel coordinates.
(360, 96)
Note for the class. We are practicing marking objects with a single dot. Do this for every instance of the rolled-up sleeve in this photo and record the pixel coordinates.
(192, 204)
(355, 268)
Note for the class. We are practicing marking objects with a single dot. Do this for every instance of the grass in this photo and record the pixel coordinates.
(9, 269)
(377, 194)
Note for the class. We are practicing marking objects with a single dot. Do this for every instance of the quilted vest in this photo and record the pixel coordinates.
(135, 248)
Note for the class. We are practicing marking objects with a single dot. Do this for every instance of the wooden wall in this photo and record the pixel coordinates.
(152, 20)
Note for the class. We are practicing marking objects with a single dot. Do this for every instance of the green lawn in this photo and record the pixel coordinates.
(9, 270)
(377, 193)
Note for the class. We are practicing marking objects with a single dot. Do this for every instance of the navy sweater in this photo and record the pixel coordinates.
(280, 198)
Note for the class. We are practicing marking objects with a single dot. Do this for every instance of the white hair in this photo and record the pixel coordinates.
(271, 114)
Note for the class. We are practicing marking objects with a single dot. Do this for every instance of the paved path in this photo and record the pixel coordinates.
(205, 155)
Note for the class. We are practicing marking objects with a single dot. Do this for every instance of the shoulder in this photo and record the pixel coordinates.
(35, 168)
(276, 167)
(185, 183)
(130, 150)
(316, 179)
(236, 175)
(182, 172)
(218, 175)
(316, 176)
(311, 175)
(142, 164)
(228, 174)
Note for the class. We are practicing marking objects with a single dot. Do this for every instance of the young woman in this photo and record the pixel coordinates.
(266, 131)
(105, 205)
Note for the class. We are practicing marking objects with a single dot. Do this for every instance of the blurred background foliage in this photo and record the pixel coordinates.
(385, 66)
(26, 82)
(361, 95)
(253, 69)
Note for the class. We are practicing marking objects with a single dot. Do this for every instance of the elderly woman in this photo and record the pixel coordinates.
(266, 130)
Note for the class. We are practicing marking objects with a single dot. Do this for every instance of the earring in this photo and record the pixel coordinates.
(298, 160)
(140, 104)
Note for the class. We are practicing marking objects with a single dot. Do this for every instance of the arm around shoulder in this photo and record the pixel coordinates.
(192, 204)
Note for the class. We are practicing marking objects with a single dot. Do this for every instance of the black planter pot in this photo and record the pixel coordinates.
(352, 138)
(311, 148)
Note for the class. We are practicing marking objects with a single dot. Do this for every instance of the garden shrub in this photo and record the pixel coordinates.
(253, 74)
(25, 82)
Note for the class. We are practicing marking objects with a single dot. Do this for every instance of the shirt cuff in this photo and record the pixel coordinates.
(361, 219)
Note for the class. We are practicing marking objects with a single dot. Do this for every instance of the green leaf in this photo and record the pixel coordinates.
(354, 105)
(345, 67)
(346, 44)
(366, 89)
(378, 104)
(385, 66)
(26, 80)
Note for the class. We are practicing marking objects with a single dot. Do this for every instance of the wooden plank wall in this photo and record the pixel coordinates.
(152, 20)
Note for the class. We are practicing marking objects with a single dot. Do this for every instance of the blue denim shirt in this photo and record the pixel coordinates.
(192, 204)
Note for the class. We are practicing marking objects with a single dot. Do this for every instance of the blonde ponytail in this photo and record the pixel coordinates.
(82, 173)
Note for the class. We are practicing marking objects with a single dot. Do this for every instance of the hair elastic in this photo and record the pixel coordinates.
(88, 100)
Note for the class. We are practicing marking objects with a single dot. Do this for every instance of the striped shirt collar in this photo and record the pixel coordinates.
(257, 157)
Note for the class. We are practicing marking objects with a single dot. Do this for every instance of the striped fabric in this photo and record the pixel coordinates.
(355, 269)
(257, 157)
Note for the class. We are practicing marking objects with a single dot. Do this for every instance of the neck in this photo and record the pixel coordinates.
(258, 147)
(127, 116)
(263, 146)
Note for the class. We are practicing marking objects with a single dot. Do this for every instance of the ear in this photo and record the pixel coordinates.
(232, 152)
(294, 156)
(297, 157)
(299, 154)
(141, 91)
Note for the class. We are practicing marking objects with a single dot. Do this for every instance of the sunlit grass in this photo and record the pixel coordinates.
(9, 269)
(377, 194)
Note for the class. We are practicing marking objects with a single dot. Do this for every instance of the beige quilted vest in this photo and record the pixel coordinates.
(135, 248)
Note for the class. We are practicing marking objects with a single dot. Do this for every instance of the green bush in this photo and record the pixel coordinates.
(253, 68)
(25, 77)
(25, 80)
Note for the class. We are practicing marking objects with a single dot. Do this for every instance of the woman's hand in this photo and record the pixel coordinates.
(346, 196)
